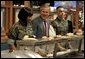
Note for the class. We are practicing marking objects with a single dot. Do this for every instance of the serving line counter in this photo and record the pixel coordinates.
(47, 41)
(19, 54)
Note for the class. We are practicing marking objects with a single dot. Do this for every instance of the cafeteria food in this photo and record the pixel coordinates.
(79, 32)
(26, 37)
(50, 38)
(59, 35)
(41, 52)
(70, 34)
(44, 37)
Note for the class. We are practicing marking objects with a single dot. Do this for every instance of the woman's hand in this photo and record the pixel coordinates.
(12, 48)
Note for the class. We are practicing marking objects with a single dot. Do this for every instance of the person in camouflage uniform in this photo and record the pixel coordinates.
(62, 26)
(21, 28)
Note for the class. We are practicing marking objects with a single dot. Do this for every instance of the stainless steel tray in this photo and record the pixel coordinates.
(19, 54)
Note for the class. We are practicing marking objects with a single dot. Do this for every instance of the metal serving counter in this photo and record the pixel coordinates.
(40, 42)
(19, 54)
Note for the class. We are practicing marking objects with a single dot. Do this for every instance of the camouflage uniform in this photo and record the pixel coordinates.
(62, 27)
(18, 31)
